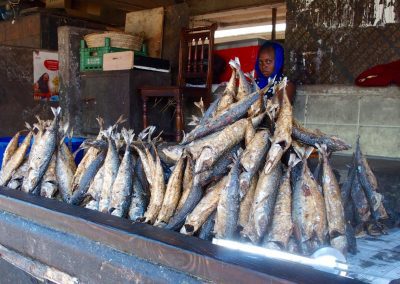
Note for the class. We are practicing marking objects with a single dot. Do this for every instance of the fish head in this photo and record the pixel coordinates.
(206, 159)
(172, 153)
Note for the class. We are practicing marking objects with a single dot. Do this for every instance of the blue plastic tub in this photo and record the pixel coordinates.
(76, 142)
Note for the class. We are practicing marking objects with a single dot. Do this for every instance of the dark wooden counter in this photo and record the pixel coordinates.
(99, 248)
(114, 93)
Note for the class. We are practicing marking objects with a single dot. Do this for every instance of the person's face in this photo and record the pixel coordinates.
(266, 62)
(46, 77)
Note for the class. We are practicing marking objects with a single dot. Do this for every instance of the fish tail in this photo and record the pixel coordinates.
(293, 160)
(250, 75)
(308, 152)
(322, 149)
(28, 126)
(120, 120)
(128, 136)
(152, 129)
(56, 111)
(235, 63)
(100, 121)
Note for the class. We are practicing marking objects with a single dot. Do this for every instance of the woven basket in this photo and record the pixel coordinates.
(117, 39)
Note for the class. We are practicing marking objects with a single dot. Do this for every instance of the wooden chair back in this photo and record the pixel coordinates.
(196, 56)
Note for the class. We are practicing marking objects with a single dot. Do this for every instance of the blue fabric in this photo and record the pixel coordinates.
(262, 80)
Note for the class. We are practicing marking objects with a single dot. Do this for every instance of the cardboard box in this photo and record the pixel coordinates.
(58, 4)
(123, 60)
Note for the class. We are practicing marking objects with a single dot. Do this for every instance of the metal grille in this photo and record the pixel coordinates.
(331, 42)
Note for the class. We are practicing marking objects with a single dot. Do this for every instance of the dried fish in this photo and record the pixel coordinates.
(12, 146)
(333, 203)
(281, 139)
(281, 226)
(65, 169)
(122, 187)
(172, 194)
(87, 177)
(204, 208)
(370, 185)
(111, 166)
(15, 161)
(157, 189)
(231, 114)
(252, 158)
(308, 208)
(311, 138)
(187, 182)
(228, 97)
(263, 204)
(49, 184)
(40, 159)
(227, 216)
(247, 201)
(244, 87)
(90, 155)
(206, 231)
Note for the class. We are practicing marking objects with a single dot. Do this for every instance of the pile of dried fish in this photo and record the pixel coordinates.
(241, 173)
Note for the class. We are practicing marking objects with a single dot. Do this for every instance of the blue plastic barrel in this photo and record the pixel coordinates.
(76, 142)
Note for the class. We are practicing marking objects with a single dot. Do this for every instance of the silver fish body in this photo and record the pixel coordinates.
(263, 204)
(49, 184)
(44, 150)
(15, 161)
(111, 165)
(65, 170)
(122, 187)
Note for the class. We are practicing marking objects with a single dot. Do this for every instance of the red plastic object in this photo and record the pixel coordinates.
(380, 75)
(247, 56)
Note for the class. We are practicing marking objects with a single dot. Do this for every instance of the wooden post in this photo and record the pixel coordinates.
(178, 117)
(273, 33)
(145, 115)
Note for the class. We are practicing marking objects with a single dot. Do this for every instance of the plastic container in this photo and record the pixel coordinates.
(76, 142)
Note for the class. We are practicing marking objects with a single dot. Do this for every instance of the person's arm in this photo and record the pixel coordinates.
(290, 91)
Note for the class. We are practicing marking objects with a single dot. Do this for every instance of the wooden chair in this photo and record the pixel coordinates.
(195, 67)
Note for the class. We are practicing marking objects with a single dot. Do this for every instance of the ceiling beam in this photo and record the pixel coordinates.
(239, 23)
(211, 6)
(134, 5)
(243, 11)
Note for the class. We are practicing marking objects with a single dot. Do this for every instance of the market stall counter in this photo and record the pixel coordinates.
(62, 243)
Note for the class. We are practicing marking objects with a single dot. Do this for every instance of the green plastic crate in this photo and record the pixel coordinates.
(92, 57)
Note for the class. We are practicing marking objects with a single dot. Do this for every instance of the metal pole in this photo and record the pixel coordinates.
(273, 33)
